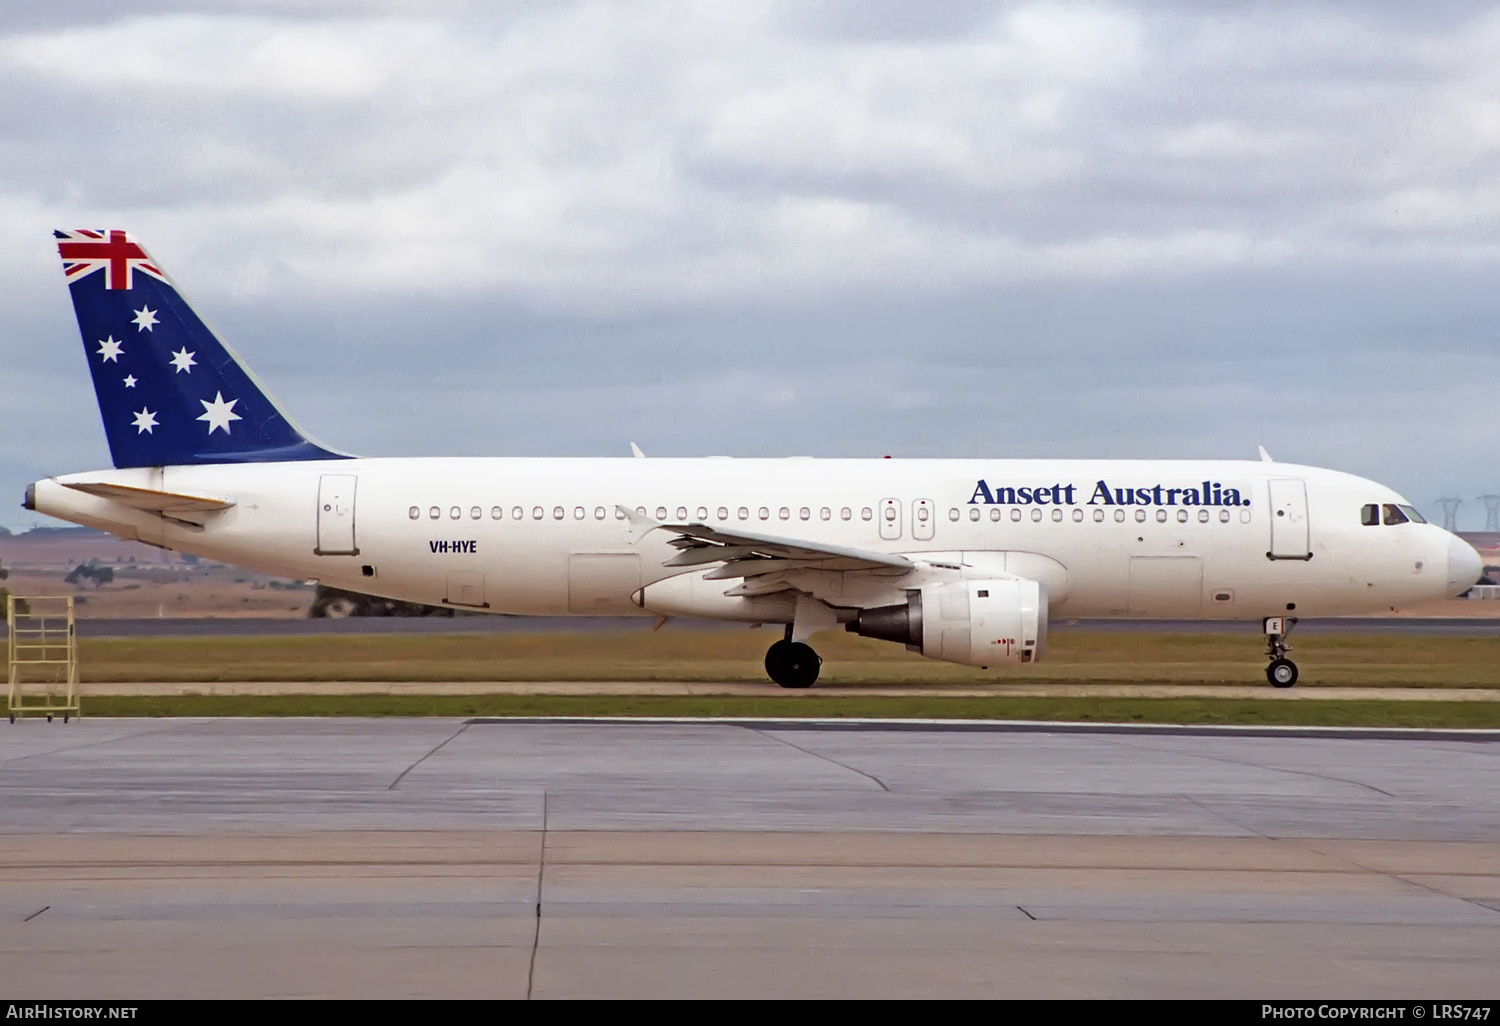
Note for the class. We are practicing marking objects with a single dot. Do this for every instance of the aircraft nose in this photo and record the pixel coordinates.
(1464, 566)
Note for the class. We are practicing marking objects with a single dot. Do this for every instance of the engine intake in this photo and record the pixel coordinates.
(1001, 622)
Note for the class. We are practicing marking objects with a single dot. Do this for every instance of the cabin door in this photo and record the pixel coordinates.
(336, 515)
(1289, 530)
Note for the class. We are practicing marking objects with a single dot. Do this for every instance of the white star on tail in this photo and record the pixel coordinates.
(183, 361)
(110, 349)
(130, 381)
(219, 413)
(144, 421)
(145, 318)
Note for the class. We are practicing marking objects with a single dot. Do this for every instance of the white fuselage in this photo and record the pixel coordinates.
(544, 535)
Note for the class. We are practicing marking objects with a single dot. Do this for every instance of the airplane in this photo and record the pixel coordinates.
(961, 560)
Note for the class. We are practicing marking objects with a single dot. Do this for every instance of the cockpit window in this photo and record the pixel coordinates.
(1369, 515)
(1393, 514)
(1412, 514)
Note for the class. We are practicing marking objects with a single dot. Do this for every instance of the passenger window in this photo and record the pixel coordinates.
(1161, 516)
(890, 513)
(846, 513)
(784, 513)
(702, 512)
(475, 513)
(640, 511)
(743, 513)
(517, 513)
(414, 512)
(763, 513)
(598, 512)
(723, 512)
(496, 512)
(558, 512)
(1203, 516)
(1036, 515)
(804, 513)
(661, 512)
(1393, 515)
(825, 513)
(1078, 516)
(434, 512)
(1098, 516)
(866, 513)
(1223, 516)
(994, 514)
(1182, 516)
(1015, 516)
(455, 513)
(537, 513)
(973, 512)
(619, 513)
(1369, 515)
(579, 513)
(1056, 516)
(952, 514)
(1140, 516)
(681, 512)
(1119, 516)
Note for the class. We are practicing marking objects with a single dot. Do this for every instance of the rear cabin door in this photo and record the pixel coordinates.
(1289, 528)
(336, 515)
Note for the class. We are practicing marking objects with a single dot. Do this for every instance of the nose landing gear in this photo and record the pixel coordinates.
(1282, 673)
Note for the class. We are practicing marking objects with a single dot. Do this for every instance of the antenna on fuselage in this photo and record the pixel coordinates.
(1265, 457)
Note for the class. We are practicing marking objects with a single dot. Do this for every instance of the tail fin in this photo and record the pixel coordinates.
(170, 391)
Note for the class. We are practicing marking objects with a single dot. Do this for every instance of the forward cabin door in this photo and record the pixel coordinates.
(1289, 528)
(336, 515)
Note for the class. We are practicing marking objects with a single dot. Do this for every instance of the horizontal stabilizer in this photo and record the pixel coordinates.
(149, 500)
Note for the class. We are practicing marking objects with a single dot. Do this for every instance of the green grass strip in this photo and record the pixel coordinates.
(1371, 713)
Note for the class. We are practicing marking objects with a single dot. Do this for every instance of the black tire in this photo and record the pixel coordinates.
(1282, 673)
(792, 664)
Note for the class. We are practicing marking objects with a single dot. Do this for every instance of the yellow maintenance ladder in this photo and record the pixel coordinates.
(42, 657)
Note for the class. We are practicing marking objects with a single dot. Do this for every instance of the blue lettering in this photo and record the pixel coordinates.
(982, 489)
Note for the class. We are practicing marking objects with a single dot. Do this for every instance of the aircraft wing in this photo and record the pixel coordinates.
(745, 554)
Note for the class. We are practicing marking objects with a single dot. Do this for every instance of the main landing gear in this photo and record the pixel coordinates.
(1282, 673)
(792, 664)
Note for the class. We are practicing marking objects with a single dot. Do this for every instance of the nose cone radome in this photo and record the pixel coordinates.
(1464, 567)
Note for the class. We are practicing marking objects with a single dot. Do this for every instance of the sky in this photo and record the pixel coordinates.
(1143, 230)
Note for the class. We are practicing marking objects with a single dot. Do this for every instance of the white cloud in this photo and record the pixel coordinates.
(670, 169)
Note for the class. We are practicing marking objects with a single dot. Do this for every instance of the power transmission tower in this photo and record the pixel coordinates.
(1450, 504)
(1492, 512)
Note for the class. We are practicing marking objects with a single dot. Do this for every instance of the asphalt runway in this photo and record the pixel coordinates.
(270, 627)
(446, 858)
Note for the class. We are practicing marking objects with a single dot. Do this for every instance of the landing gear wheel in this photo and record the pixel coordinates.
(792, 664)
(1282, 673)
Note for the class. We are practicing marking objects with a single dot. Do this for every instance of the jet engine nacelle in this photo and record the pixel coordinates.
(1001, 622)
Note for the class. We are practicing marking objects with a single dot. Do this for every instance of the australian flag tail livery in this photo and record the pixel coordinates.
(170, 391)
